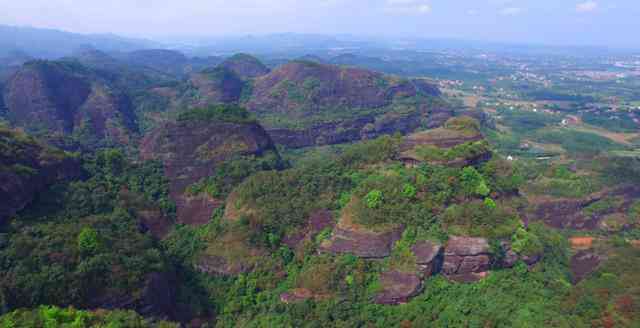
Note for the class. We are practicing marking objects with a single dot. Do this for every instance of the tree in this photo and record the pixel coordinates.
(88, 242)
(374, 198)
(473, 183)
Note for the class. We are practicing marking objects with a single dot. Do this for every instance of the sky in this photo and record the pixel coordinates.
(559, 22)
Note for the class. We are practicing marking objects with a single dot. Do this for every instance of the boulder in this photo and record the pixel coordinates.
(429, 256)
(398, 287)
(466, 259)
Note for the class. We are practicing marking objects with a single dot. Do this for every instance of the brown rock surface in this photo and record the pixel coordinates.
(466, 259)
(584, 263)
(428, 257)
(398, 287)
(361, 243)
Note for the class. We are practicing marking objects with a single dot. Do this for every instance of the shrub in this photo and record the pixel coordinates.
(409, 191)
(374, 199)
(490, 203)
(88, 242)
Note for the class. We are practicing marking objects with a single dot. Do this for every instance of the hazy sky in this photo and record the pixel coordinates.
(605, 22)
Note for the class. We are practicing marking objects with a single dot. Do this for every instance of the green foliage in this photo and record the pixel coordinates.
(490, 203)
(472, 182)
(602, 206)
(222, 113)
(560, 182)
(525, 122)
(608, 297)
(622, 123)
(369, 152)
(283, 201)
(230, 173)
(634, 212)
(409, 191)
(88, 242)
(374, 199)
(526, 243)
(465, 151)
(463, 123)
(76, 241)
(473, 218)
(577, 142)
(54, 317)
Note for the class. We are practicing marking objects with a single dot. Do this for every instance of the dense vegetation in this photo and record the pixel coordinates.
(81, 241)
(223, 113)
(108, 238)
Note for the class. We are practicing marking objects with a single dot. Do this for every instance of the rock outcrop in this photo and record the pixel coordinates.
(435, 146)
(429, 257)
(361, 243)
(398, 287)
(466, 259)
(583, 263)
(27, 168)
(190, 150)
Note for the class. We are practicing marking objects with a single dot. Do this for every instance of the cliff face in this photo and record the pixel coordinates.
(306, 103)
(28, 167)
(58, 98)
(191, 150)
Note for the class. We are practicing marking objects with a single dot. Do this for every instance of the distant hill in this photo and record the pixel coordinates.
(61, 98)
(49, 43)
